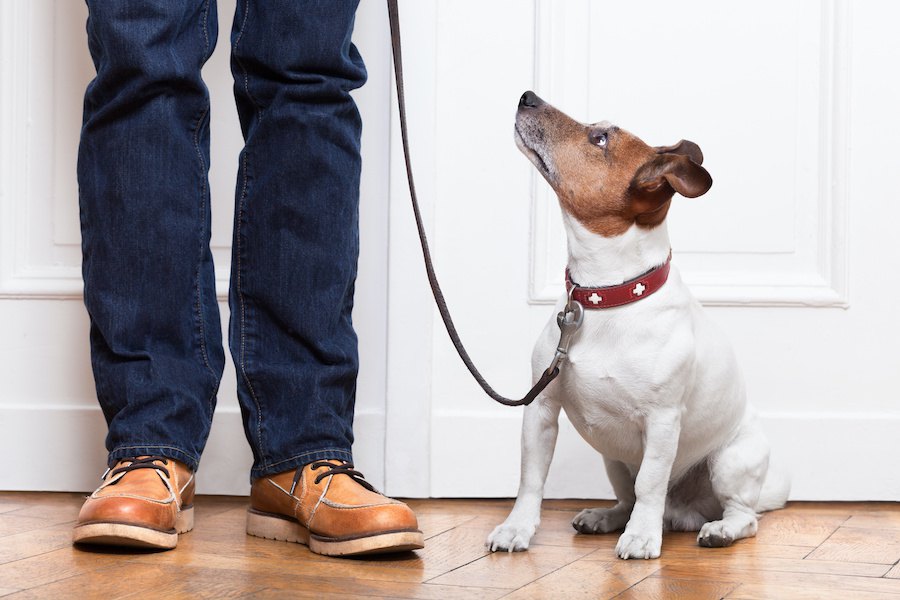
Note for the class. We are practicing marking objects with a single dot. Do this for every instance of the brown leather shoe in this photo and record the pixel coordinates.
(143, 502)
(332, 509)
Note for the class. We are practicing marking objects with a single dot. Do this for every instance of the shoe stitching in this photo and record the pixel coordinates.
(296, 501)
(136, 497)
(319, 502)
(180, 498)
(339, 505)
(184, 487)
(304, 491)
(286, 493)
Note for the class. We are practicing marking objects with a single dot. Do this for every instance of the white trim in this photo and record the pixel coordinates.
(410, 306)
(802, 443)
(14, 40)
(69, 453)
(69, 456)
(562, 67)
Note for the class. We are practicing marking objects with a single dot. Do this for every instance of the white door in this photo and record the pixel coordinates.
(793, 251)
(51, 428)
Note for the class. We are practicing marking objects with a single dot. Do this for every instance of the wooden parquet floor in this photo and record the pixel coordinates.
(815, 551)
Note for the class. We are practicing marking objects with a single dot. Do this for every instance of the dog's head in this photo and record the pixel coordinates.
(605, 176)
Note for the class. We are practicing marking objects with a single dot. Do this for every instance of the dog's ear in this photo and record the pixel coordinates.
(670, 171)
(685, 147)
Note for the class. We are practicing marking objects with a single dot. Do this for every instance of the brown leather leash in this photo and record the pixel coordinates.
(569, 319)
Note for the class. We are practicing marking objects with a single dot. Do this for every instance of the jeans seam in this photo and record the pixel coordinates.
(148, 446)
(203, 193)
(237, 241)
(240, 64)
(240, 295)
(206, 26)
(302, 454)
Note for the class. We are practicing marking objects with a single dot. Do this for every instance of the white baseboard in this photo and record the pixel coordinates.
(830, 457)
(60, 449)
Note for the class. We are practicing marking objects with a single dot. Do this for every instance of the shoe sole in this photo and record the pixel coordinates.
(134, 536)
(276, 527)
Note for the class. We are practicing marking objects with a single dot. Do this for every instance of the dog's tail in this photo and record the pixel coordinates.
(775, 489)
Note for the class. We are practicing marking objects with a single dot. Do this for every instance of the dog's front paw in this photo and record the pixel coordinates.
(639, 545)
(510, 536)
(600, 520)
(716, 534)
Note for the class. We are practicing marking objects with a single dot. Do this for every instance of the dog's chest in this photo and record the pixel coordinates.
(615, 374)
(605, 407)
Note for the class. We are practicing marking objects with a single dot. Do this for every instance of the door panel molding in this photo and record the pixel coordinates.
(807, 264)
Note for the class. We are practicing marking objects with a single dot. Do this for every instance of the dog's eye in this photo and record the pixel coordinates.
(598, 138)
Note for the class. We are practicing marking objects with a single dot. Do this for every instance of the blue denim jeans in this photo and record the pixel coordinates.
(149, 286)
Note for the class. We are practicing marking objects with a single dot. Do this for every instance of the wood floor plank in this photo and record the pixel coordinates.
(276, 594)
(860, 545)
(277, 558)
(780, 578)
(32, 498)
(349, 587)
(829, 508)
(765, 563)
(222, 543)
(54, 566)
(658, 588)
(799, 528)
(433, 524)
(51, 513)
(685, 546)
(9, 505)
(33, 543)
(587, 580)
(762, 591)
(111, 583)
(447, 551)
(808, 550)
(205, 582)
(12, 524)
(512, 570)
(876, 515)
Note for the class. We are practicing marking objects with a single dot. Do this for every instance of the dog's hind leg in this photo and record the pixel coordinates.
(737, 472)
(607, 520)
(539, 431)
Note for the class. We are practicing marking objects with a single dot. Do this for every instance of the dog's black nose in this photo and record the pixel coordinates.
(530, 100)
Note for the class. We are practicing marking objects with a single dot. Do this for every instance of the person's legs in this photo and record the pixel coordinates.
(296, 229)
(149, 286)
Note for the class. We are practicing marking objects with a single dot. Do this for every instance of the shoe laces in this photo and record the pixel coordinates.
(145, 462)
(345, 468)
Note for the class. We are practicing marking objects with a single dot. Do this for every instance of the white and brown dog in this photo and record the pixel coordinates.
(649, 381)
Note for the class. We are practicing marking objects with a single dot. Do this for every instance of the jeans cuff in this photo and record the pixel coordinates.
(299, 460)
(120, 452)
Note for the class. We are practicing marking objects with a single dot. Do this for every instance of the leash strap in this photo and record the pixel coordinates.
(553, 370)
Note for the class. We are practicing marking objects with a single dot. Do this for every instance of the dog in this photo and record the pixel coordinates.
(648, 381)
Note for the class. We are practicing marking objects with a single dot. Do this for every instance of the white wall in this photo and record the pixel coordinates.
(50, 424)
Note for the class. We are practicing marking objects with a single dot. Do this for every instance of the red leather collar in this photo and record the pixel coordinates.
(618, 295)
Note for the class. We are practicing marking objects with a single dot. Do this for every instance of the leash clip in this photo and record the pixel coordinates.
(569, 320)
